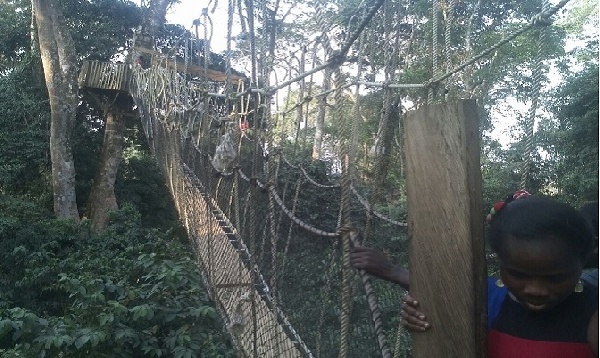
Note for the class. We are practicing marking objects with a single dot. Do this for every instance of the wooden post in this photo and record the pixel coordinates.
(445, 220)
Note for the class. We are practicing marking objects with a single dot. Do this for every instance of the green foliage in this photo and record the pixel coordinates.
(24, 118)
(141, 183)
(100, 29)
(583, 14)
(128, 291)
(87, 138)
(571, 140)
(14, 39)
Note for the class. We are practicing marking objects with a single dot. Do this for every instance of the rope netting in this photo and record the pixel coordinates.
(272, 223)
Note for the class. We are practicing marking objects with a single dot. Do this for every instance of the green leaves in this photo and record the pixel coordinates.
(142, 312)
(76, 295)
(571, 139)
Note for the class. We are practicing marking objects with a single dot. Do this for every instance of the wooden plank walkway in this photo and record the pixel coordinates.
(259, 328)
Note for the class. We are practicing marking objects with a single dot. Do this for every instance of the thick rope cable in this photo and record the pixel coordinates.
(363, 201)
(230, 13)
(435, 9)
(356, 109)
(373, 305)
(295, 219)
(538, 74)
(344, 218)
(541, 19)
(367, 206)
(287, 211)
(313, 182)
(346, 47)
(448, 35)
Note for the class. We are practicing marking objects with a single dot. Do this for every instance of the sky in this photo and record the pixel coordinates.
(187, 11)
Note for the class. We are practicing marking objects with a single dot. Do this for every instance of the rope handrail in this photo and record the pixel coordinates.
(287, 211)
(530, 117)
(367, 206)
(363, 201)
(305, 173)
(373, 305)
(543, 18)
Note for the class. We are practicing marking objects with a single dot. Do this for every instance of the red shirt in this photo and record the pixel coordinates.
(517, 332)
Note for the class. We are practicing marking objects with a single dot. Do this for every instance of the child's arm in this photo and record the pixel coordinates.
(593, 333)
(413, 319)
(375, 263)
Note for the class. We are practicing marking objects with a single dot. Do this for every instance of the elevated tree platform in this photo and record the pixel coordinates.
(105, 75)
(117, 76)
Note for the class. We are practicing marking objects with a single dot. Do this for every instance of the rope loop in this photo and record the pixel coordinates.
(337, 58)
(270, 184)
(542, 19)
(432, 86)
(345, 230)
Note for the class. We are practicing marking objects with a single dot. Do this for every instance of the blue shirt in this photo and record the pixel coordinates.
(497, 294)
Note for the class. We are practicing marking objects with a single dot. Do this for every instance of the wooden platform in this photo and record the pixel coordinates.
(191, 69)
(105, 75)
(117, 76)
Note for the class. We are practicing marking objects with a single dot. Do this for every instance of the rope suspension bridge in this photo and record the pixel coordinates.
(272, 234)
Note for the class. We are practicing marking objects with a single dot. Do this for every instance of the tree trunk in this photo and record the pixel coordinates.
(58, 59)
(102, 197)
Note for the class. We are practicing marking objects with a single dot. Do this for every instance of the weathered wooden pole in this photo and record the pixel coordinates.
(445, 220)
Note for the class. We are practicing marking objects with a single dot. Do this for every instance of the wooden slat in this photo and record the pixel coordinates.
(194, 70)
(104, 75)
(445, 221)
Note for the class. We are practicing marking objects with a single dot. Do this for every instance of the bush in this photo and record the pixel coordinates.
(125, 292)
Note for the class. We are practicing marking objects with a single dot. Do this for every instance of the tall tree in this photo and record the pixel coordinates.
(103, 197)
(571, 140)
(60, 71)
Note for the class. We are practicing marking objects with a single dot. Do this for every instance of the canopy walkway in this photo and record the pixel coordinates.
(265, 229)
(258, 326)
(179, 124)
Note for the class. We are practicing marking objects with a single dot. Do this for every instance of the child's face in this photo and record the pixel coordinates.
(539, 273)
